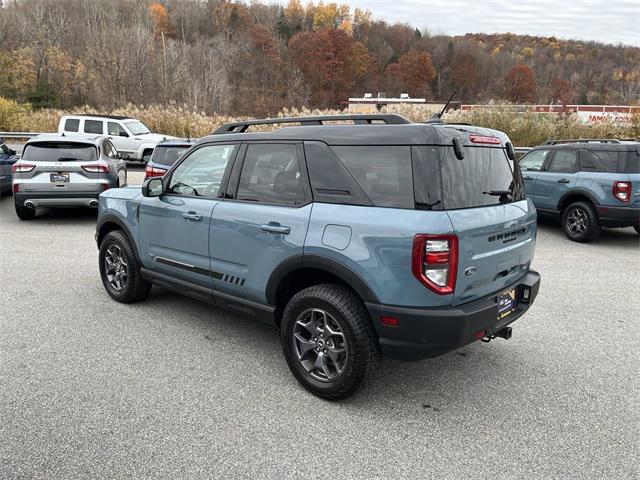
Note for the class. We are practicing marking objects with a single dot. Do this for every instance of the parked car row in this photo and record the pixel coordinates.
(7, 159)
(588, 184)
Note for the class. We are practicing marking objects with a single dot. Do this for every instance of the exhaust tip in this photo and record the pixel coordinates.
(93, 204)
(29, 204)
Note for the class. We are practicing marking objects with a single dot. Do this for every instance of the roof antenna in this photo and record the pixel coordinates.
(436, 117)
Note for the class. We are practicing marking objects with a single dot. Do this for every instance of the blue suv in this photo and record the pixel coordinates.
(381, 236)
(589, 184)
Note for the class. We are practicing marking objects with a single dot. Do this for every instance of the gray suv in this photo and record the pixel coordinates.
(58, 171)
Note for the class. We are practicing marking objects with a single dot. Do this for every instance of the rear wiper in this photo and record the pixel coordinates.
(67, 159)
(497, 193)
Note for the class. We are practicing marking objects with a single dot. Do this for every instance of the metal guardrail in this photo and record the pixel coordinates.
(19, 135)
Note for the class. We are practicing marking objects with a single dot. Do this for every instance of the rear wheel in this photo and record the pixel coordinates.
(328, 341)
(25, 213)
(580, 222)
(120, 269)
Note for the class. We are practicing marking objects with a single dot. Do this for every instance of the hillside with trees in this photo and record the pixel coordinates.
(256, 59)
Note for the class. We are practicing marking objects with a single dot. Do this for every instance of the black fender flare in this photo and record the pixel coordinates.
(578, 191)
(110, 218)
(319, 262)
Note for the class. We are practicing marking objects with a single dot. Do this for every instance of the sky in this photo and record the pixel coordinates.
(608, 21)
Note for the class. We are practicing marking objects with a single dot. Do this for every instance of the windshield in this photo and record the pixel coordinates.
(167, 155)
(59, 152)
(136, 127)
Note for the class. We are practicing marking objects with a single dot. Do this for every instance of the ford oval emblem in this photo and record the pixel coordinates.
(470, 272)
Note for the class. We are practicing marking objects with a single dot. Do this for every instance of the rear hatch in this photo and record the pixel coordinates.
(483, 195)
(57, 166)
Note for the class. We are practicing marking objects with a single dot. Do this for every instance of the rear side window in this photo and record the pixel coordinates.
(564, 161)
(485, 177)
(168, 155)
(93, 126)
(71, 125)
(631, 163)
(383, 172)
(271, 174)
(609, 161)
(59, 152)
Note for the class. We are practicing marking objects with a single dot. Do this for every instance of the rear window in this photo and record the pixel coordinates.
(59, 152)
(168, 155)
(485, 177)
(383, 172)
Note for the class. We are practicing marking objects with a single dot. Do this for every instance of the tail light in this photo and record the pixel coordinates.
(622, 191)
(22, 167)
(16, 187)
(105, 186)
(435, 261)
(153, 172)
(484, 139)
(96, 168)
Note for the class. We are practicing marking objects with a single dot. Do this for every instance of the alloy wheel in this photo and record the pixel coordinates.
(577, 221)
(116, 268)
(320, 344)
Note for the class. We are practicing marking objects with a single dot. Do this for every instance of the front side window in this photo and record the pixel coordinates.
(116, 130)
(533, 161)
(271, 174)
(200, 174)
(564, 161)
(93, 126)
(71, 125)
(109, 150)
(136, 127)
(383, 172)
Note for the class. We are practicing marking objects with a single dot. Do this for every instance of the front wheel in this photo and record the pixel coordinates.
(328, 341)
(580, 222)
(120, 269)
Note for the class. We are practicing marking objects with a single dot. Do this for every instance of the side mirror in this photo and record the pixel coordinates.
(457, 148)
(12, 151)
(152, 187)
(123, 134)
(511, 152)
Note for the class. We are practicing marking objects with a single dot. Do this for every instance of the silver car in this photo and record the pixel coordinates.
(61, 171)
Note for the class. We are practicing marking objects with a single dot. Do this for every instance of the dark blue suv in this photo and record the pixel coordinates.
(383, 236)
(7, 159)
(589, 184)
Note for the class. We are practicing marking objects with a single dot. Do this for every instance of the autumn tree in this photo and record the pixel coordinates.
(464, 74)
(520, 84)
(162, 25)
(561, 91)
(414, 70)
(330, 63)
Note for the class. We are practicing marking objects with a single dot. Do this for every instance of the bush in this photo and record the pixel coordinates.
(14, 116)
(525, 128)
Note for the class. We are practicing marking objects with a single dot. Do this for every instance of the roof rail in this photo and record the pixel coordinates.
(582, 140)
(241, 127)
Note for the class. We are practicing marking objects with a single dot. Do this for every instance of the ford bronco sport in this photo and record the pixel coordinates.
(385, 236)
(589, 184)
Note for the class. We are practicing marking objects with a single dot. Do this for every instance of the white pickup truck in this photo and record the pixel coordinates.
(132, 139)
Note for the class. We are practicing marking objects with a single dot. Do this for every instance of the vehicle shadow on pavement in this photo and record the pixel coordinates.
(623, 237)
(49, 215)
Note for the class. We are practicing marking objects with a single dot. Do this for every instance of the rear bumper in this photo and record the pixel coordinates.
(618, 216)
(428, 332)
(54, 199)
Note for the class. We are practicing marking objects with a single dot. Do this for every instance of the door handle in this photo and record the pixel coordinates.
(276, 228)
(564, 180)
(192, 216)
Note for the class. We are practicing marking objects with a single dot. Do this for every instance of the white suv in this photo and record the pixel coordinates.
(132, 139)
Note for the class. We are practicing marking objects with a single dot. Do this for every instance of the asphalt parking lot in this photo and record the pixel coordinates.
(171, 388)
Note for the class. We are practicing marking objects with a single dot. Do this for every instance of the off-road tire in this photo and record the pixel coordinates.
(363, 351)
(592, 225)
(136, 288)
(25, 213)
